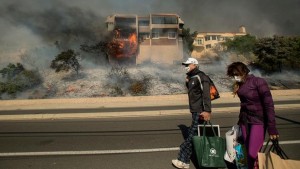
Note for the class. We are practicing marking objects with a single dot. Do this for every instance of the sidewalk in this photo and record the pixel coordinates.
(103, 103)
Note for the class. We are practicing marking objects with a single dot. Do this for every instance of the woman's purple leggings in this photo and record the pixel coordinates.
(253, 141)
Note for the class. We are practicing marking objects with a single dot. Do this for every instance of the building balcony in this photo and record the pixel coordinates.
(164, 26)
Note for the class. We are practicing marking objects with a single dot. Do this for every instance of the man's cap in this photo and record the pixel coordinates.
(190, 61)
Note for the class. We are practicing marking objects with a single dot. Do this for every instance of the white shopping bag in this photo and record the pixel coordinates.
(231, 141)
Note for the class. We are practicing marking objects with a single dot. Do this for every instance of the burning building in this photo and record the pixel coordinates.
(154, 38)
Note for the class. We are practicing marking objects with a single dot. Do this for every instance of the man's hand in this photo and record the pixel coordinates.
(205, 116)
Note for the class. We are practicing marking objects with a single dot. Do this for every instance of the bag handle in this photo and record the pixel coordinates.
(275, 148)
(199, 78)
(204, 128)
(204, 131)
(201, 87)
(279, 150)
(266, 146)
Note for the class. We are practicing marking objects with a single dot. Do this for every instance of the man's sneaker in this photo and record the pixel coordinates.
(180, 164)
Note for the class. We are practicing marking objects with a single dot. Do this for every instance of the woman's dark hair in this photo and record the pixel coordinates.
(237, 69)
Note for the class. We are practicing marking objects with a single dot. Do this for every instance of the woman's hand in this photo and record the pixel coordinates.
(274, 137)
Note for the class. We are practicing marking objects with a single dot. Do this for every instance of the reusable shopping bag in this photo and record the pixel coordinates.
(275, 158)
(235, 151)
(231, 137)
(209, 150)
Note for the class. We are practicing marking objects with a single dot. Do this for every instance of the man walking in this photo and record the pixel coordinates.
(200, 108)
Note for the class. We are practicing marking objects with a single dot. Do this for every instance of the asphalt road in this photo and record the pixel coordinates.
(119, 143)
(122, 109)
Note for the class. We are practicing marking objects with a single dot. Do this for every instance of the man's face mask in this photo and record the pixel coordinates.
(238, 78)
(187, 68)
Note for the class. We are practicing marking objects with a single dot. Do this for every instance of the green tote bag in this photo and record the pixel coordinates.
(209, 150)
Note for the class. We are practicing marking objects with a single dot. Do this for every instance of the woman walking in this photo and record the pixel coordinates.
(257, 113)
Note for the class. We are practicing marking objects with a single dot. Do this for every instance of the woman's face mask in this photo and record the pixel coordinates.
(238, 78)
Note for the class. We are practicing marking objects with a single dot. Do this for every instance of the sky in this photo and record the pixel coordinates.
(28, 24)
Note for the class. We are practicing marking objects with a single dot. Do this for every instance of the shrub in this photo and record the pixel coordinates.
(140, 87)
(17, 79)
(120, 82)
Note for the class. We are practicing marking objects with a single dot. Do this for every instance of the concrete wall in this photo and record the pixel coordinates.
(160, 54)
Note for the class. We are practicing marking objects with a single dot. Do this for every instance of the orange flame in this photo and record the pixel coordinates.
(124, 47)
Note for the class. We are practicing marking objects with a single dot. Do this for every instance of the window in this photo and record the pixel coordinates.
(199, 41)
(170, 20)
(164, 20)
(207, 38)
(143, 36)
(144, 23)
(172, 35)
(213, 37)
(155, 35)
(208, 46)
(125, 22)
(146, 36)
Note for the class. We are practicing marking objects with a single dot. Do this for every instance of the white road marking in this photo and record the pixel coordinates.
(101, 152)
(95, 152)
(286, 142)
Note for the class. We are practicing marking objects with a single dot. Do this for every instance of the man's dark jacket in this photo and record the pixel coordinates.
(199, 100)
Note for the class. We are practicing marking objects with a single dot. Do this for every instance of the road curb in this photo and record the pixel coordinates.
(123, 102)
(98, 115)
(132, 101)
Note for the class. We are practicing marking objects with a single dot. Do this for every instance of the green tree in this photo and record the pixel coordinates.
(188, 40)
(11, 70)
(277, 53)
(294, 53)
(65, 61)
(241, 44)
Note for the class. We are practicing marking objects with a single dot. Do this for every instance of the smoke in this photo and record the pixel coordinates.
(32, 22)
(56, 19)
(261, 18)
(34, 31)
(56, 23)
